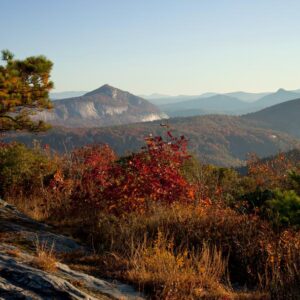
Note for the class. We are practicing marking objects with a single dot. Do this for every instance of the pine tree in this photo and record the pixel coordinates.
(24, 90)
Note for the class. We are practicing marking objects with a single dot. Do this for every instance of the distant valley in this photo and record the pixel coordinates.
(218, 139)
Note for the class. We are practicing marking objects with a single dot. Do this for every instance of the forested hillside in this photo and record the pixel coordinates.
(284, 117)
(221, 140)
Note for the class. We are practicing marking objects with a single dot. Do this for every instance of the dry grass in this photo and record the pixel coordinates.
(33, 205)
(45, 258)
(181, 275)
(249, 242)
(13, 252)
(245, 240)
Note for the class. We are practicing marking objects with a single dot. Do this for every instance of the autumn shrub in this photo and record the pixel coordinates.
(270, 173)
(86, 176)
(96, 181)
(150, 176)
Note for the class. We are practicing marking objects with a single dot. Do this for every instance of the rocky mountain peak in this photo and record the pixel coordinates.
(281, 90)
(103, 106)
(105, 89)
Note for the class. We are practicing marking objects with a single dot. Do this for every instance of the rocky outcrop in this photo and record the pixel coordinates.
(20, 279)
(102, 107)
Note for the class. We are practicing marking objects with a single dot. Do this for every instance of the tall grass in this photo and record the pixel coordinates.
(178, 274)
(45, 258)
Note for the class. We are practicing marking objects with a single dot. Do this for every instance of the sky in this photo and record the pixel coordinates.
(159, 46)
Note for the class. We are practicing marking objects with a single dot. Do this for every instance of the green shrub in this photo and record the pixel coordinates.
(294, 181)
(284, 208)
(255, 201)
(213, 182)
(22, 169)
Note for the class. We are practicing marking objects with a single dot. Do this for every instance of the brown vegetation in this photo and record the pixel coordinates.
(222, 236)
(45, 258)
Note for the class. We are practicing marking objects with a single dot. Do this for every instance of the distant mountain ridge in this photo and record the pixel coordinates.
(284, 117)
(104, 106)
(280, 96)
(208, 105)
(247, 97)
(158, 99)
(226, 103)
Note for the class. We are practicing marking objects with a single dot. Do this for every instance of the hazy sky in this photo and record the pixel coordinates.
(165, 46)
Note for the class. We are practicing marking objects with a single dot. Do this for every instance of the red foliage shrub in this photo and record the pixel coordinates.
(84, 174)
(96, 178)
(152, 175)
(94, 163)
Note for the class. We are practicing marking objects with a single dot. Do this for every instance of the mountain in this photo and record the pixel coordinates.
(158, 99)
(247, 97)
(284, 117)
(175, 99)
(278, 97)
(63, 95)
(171, 99)
(221, 104)
(217, 139)
(104, 106)
(235, 103)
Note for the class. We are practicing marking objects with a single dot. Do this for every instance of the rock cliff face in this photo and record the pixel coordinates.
(20, 279)
(102, 107)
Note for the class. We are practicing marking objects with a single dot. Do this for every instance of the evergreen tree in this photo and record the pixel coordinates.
(24, 90)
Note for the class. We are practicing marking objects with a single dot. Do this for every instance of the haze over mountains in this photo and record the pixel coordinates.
(218, 139)
(207, 105)
(222, 140)
(236, 103)
(241, 95)
(159, 99)
(280, 96)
